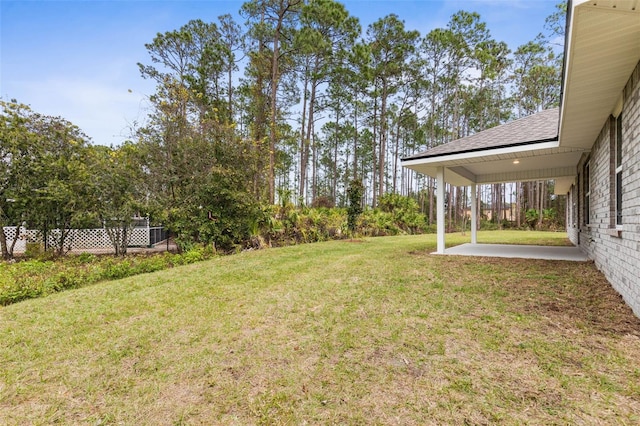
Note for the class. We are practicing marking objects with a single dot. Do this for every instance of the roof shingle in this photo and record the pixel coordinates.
(539, 127)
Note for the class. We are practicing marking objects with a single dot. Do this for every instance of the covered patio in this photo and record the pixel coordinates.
(522, 150)
(601, 52)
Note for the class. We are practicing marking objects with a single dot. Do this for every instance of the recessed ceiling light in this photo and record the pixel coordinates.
(516, 161)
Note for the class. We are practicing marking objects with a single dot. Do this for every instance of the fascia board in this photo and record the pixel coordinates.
(484, 153)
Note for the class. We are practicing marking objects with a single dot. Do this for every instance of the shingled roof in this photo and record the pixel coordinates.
(536, 128)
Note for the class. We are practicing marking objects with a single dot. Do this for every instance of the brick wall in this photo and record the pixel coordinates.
(573, 214)
(615, 253)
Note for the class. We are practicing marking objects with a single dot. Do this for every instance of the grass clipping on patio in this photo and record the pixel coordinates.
(379, 332)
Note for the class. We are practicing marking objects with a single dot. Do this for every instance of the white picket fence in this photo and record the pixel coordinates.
(79, 240)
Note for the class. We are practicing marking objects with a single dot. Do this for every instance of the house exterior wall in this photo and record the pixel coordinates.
(614, 249)
(572, 214)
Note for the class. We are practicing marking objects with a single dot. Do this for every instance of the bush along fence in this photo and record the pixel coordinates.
(36, 278)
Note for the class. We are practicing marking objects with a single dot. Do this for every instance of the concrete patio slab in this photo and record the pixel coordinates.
(518, 251)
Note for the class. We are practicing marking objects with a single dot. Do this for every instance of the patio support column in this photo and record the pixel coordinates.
(474, 214)
(440, 210)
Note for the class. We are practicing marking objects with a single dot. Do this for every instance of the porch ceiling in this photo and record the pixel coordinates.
(544, 160)
(602, 50)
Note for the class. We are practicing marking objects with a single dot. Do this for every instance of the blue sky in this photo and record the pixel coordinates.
(77, 58)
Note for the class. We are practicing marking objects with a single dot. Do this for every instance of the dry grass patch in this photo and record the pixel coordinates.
(373, 333)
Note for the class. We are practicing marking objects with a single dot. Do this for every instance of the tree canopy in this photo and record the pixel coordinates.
(298, 99)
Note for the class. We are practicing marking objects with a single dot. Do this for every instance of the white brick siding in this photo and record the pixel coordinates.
(616, 255)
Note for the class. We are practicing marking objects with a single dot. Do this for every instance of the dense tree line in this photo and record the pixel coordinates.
(320, 101)
(296, 104)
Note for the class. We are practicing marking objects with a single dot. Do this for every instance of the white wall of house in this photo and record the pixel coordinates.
(614, 248)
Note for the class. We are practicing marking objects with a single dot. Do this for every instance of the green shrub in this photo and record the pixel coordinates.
(531, 217)
(354, 197)
(487, 225)
(36, 278)
(405, 213)
(196, 254)
(393, 202)
(154, 263)
(117, 269)
(323, 201)
(34, 250)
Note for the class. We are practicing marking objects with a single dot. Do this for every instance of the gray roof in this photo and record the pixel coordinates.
(536, 128)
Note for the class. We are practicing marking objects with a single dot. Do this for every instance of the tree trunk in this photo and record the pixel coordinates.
(274, 114)
(395, 155)
(355, 139)
(314, 170)
(373, 145)
(334, 189)
(383, 139)
(303, 141)
(3, 242)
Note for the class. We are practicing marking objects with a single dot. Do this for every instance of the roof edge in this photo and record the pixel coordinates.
(446, 154)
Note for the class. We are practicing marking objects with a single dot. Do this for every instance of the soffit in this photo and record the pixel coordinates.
(536, 161)
(603, 49)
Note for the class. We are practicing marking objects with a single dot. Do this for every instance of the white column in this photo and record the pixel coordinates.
(440, 210)
(474, 214)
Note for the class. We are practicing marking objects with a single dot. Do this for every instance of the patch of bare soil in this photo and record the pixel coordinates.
(576, 292)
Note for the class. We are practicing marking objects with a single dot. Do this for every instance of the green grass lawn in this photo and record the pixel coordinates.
(373, 331)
